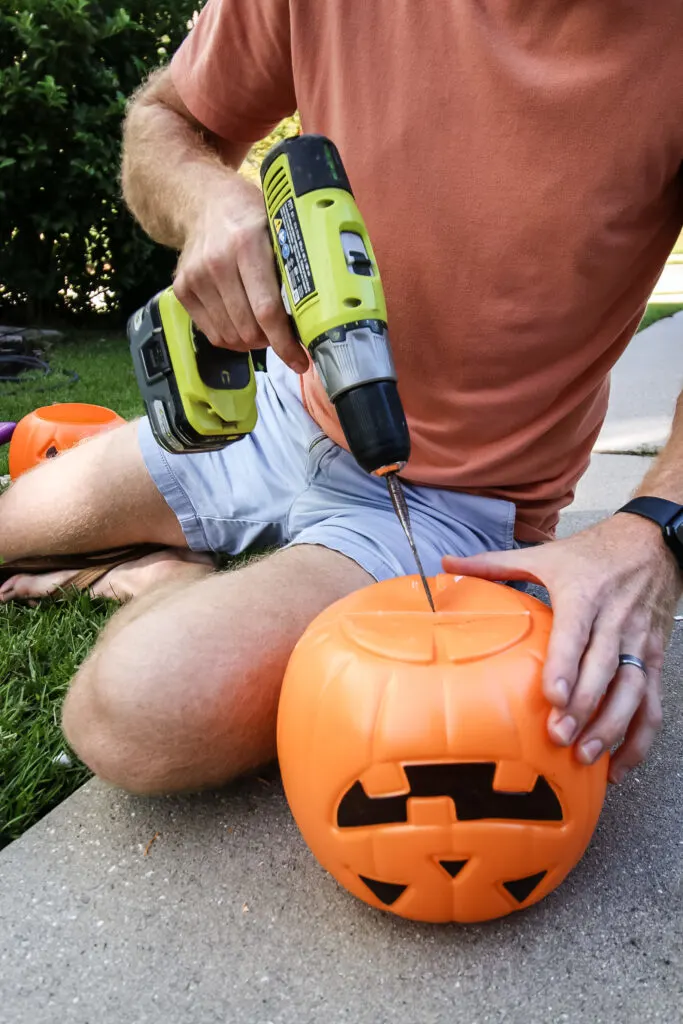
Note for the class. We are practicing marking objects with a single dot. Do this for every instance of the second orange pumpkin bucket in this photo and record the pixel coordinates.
(52, 429)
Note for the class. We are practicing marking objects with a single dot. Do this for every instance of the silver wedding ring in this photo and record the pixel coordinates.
(630, 659)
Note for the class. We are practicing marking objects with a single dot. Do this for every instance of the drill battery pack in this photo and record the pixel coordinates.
(198, 397)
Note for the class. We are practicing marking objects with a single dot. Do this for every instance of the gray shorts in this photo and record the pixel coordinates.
(288, 483)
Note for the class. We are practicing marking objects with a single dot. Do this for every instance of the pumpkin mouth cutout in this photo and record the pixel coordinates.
(468, 785)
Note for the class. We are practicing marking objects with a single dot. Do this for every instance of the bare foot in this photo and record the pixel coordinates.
(120, 584)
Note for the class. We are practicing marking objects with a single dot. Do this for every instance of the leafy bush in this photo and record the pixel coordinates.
(66, 70)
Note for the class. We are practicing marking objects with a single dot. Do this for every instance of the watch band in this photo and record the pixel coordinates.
(663, 513)
(659, 510)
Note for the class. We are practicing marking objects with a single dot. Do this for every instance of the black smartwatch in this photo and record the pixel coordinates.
(668, 516)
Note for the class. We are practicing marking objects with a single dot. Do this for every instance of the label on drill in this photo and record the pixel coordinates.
(293, 251)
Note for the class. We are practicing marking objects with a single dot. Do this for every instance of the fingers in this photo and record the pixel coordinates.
(220, 308)
(625, 697)
(596, 702)
(265, 298)
(235, 301)
(227, 282)
(641, 732)
(573, 612)
(569, 640)
(210, 316)
(631, 708)
(496, 565)
(599, 669)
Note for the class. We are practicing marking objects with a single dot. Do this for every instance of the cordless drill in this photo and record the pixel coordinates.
(201, 398)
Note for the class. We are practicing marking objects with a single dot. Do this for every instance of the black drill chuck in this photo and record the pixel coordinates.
(374, 424)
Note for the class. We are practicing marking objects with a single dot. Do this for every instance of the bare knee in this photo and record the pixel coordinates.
(108, 736)
(182, 689)
(147, 731)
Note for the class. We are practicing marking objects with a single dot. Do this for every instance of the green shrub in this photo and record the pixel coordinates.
(66, 70)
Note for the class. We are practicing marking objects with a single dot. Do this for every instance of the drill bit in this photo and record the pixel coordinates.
(398, 500)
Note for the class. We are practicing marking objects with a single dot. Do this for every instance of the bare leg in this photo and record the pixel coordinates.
(98, 495)
(181, 691)
(95, 496)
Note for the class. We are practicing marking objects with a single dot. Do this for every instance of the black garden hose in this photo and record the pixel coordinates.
(26, 362)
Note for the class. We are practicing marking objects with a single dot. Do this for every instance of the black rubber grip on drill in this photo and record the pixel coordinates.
(374, 425)
(314, 163)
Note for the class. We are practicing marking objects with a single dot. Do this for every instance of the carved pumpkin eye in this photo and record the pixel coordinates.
(415, 755)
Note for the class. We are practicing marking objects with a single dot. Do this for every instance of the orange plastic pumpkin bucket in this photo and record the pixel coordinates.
(46, 432)
(415, 754)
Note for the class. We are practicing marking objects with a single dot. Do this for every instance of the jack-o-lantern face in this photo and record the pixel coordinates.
(415, 755)
(49, 431)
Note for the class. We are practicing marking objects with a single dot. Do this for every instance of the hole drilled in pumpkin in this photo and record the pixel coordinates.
(387, 892)
(522, 888)
(469, 786)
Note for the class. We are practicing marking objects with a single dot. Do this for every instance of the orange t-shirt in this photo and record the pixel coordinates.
(518, 168)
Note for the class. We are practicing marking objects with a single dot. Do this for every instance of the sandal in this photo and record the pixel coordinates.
(91, 567)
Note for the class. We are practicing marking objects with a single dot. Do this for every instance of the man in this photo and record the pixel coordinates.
(518, 167)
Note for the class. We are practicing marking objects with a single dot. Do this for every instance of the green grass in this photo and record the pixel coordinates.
(41, 648)
(658, 311)
(103, 364)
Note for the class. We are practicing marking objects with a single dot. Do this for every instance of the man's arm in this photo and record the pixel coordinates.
(665, 478)
(170, 163)
(614, 589)
(182, 184)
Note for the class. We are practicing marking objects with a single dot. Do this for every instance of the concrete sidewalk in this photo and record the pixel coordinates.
(211, 909)
(645, 385)
(228, 918)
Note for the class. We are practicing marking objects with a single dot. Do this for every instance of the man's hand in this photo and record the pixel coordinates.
(182, 184)
(226, 276)
(613, 589)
